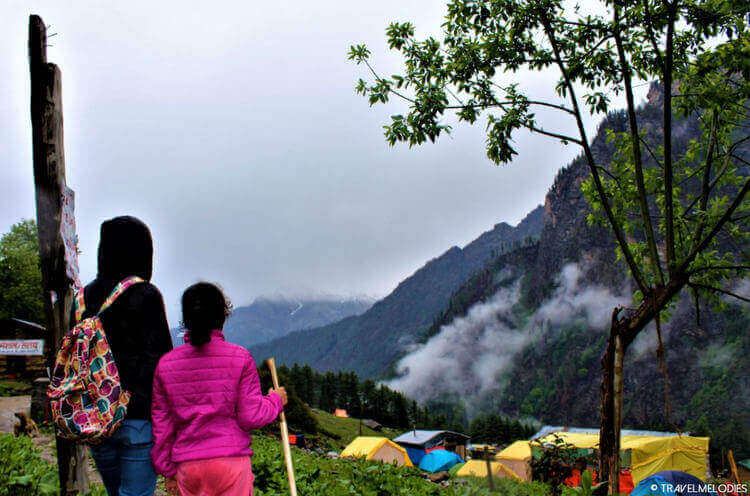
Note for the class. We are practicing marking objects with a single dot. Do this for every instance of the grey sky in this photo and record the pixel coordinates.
(232, 129)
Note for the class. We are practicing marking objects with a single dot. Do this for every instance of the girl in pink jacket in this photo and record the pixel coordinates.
(206, 400)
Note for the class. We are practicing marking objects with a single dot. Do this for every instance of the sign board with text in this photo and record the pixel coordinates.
(22, 347)
(69, 236)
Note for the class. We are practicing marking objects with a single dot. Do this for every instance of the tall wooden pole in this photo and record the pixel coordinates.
(271, 363)
(488, 455)
(49, 182)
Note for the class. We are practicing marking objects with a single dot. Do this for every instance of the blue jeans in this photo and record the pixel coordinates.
(124, 460)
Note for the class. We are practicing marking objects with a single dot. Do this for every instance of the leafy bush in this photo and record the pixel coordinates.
(22, 471)
(14, 388)
(553, 463)
(320, 475)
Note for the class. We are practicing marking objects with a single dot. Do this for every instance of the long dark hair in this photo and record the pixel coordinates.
(204, 308)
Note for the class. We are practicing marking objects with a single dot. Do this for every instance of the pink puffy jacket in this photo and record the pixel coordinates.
(206, 399)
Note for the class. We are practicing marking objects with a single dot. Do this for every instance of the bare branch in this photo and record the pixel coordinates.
(706, 184)
(667, 119)
(718, 267)
(651, 152)
(651, 35)
(614, 223)
(636, 147)
(719, 290)
(551, 134)
(717, 227)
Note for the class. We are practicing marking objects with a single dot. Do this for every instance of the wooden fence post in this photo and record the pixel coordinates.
(49, 182)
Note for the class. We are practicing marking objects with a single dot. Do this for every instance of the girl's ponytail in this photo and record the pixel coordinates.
(204, 308)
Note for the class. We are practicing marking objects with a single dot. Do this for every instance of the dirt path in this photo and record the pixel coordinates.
(9, 406)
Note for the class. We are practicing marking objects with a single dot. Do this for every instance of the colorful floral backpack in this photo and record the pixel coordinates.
(86, 399)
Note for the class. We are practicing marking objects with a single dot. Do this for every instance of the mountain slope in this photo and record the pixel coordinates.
(564, 282)
(369, 343)
(270, 318)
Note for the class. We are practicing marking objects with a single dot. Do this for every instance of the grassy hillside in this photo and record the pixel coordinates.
(335, 433)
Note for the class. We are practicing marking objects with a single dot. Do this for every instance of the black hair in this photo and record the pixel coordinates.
(204, 308)
(125, 249)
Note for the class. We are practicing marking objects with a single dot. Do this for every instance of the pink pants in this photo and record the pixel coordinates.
(228, 476)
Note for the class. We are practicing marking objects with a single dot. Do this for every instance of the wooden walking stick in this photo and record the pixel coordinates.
(271, 363)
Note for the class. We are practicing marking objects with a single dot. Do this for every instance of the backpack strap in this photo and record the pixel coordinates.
(80, 307)
(123, 286)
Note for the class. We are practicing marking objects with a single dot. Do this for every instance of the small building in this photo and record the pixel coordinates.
(341, 413)
(22, 348)
(420, 442)
(372, 424)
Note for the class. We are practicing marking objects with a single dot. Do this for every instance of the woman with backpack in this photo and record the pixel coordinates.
(135, 325)
(207, 398)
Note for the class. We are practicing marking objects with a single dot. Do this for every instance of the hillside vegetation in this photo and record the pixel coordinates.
(555, 377)
(25, 473)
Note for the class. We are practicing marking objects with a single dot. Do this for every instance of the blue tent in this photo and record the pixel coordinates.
(439, 460)
(415, 454)
(671, 483)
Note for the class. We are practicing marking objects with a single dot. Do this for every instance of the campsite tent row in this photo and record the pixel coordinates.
(643, 454)
(648, 454)
(432, 451)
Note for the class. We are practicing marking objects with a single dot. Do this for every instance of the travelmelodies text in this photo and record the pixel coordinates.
(723, 488)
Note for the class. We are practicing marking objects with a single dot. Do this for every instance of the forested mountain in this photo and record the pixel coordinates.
(368, 344)
(269, 318)
(520, 330)
(552, 302)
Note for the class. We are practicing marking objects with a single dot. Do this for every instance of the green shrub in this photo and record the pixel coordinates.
(22, 471)
(14, 388)
(317, 475)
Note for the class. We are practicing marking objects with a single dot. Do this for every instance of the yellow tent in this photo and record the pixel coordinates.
(646, 455)
(377, 448)
(651, 454)
(576, 439)
(478, 468)
(517, 457)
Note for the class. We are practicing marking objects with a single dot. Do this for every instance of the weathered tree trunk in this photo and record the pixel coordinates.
(609, 445)
(49, 181)
(621, 334)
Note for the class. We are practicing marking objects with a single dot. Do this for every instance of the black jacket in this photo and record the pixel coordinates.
(136, 324)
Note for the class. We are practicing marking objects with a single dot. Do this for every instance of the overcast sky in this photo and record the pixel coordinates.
(232, 129)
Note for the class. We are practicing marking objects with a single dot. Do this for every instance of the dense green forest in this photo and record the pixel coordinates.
(328, 391)
(370, 400)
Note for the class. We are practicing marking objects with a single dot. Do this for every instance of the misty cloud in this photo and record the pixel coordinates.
(469, 355)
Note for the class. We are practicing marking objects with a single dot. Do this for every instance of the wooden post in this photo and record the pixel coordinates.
(733, 467)
(49, 182)
(614, 476)
(488, 460)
